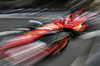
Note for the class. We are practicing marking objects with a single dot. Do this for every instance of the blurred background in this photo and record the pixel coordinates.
(79, 52)
(45, 3)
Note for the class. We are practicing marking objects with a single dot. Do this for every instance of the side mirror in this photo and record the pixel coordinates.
(33, 24)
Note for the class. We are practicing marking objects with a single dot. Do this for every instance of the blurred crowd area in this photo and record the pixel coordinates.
(47, 3)
(72, 4)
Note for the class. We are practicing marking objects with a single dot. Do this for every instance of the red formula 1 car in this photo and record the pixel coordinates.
(49, 39)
